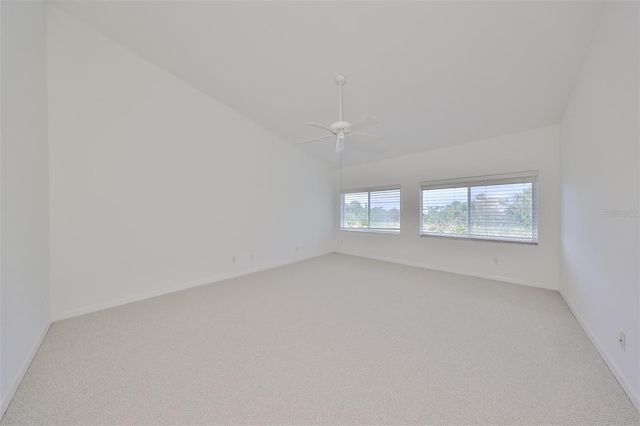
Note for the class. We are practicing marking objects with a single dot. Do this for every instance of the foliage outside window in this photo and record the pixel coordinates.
(371, 210)
(498, 207)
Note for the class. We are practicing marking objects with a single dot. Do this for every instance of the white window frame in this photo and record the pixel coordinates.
(488, 180)
(392, 231)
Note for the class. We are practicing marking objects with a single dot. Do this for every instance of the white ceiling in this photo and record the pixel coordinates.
(435, 73)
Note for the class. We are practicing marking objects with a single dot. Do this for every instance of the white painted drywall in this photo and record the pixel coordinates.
(536, 265)
(24, 243)
(599, 157)
(156, 186)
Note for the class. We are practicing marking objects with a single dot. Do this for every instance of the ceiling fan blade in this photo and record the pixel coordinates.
(364, 123)
(376, 138)
(320, 126)
(316, 139)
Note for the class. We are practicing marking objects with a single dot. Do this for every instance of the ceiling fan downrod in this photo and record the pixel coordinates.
(341, 79)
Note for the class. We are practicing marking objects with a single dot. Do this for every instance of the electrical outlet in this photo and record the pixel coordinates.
(250, 257)
(233, 259)
(623, 341)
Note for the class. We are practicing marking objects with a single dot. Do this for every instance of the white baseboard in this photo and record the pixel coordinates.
(6, 398)
(626, 386)
(112, 304)
(452, 271)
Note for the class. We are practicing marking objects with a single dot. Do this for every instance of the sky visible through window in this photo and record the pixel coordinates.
(446, 196)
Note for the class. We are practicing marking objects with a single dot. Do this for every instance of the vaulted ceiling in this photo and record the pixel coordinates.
(435, 74)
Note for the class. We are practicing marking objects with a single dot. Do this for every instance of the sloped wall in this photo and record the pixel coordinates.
(157, 187)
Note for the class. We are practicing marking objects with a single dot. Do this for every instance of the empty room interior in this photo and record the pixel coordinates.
(319, 212)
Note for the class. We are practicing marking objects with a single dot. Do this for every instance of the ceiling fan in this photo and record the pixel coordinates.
(342, 128)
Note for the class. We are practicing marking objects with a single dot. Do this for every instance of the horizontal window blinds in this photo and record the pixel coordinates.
(377, 210)
(498, 207)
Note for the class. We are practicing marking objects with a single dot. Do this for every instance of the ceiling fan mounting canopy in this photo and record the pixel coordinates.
(342, 128)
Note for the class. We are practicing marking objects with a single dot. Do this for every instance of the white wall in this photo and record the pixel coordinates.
(536, 265)
(156, 186)
(599, 157)
(24, 279)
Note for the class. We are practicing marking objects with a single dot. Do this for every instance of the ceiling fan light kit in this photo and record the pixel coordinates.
(342, 128)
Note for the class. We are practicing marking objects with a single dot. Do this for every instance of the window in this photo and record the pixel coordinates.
(498, 207)
(371, 210)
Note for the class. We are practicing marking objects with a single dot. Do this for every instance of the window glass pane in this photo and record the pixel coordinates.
(502, 210)
(355, 210)
(375, 210)
(385, 209)
(500, 207)
(444, 211)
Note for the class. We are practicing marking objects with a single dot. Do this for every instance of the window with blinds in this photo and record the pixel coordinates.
(373, 210)
(497, 207)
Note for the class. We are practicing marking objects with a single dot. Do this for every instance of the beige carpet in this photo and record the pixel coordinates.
(336, 339)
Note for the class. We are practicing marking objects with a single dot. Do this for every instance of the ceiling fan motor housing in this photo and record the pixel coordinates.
(340, 125)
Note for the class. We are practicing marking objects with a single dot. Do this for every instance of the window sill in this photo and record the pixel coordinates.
(373, 231)
(485, 239)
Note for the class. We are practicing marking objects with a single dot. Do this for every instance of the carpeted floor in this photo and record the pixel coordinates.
(335, 339)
